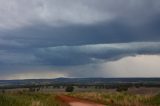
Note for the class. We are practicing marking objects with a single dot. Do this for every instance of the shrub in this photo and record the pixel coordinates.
(69, 89)
(120, 89)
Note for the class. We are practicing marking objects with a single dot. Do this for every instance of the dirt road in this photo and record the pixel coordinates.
(71, 101)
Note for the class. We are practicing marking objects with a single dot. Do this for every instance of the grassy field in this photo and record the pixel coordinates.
(120, 98)
(133, 97)
(27, 99)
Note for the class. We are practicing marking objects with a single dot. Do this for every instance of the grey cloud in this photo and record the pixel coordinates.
(75, 32)
(132, 21)
(16, 14)
(14, 58)
(115, 32)
(51, 12)
(86, 54)
(72, 60)
(61, 56)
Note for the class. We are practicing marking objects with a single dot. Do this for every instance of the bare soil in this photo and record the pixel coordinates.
(72, 101)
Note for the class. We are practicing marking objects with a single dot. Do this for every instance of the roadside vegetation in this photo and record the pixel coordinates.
(119, 95)
(119, 98)
(27, 99)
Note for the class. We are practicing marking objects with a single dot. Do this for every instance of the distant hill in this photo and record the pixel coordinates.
(90, 81)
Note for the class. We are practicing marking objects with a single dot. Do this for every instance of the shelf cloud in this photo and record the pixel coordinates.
(61, 36)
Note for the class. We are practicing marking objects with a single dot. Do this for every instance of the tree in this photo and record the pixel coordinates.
(122, 88)
(69, 89)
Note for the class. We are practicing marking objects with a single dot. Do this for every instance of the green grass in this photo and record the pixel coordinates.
(28, 99)
(154, 100)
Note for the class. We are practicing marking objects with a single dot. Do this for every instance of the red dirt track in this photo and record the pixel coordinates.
(72, 101)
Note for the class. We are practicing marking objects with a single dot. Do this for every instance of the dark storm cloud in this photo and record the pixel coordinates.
(113, 32)
(76, 32)
(50, 23)
(78, 55)
(86, 54)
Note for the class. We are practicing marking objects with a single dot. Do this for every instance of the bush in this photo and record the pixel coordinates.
(69, 89)
(3, 91)
(121, 89)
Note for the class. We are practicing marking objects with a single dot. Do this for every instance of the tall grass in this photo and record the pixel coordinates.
(27, 99)
(110, 99)
(120, 98)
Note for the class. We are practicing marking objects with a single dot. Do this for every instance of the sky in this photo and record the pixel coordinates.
(79, 38)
